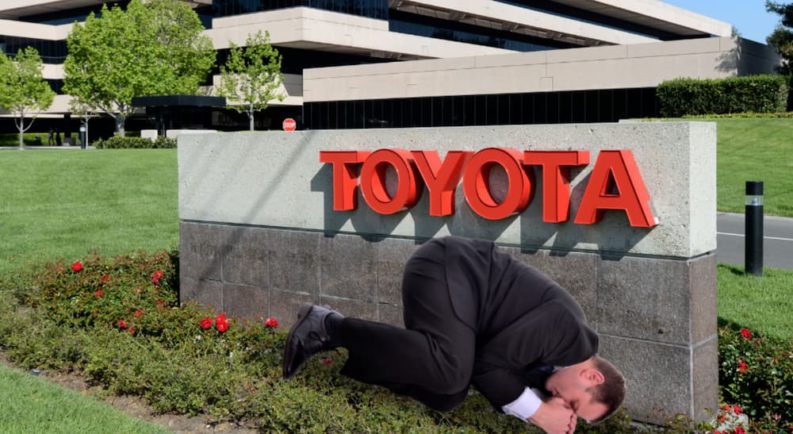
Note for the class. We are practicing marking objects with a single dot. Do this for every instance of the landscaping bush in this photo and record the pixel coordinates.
(119, 322)
(119, 142)
(757, 374)
(759, 93)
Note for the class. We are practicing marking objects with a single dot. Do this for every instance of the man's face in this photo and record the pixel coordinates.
(571, 385)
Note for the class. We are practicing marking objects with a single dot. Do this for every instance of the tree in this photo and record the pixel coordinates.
(156, 48)
(23, 90)
(251, 77)
(85, 112)
(782, 38)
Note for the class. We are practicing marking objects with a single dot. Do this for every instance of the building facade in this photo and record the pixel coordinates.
(378, 63)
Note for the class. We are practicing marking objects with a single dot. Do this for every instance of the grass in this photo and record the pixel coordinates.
(39, 406)
(761, 304)
(755, 149)
(67, 204)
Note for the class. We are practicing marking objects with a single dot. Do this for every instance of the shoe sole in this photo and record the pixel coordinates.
(302, 314)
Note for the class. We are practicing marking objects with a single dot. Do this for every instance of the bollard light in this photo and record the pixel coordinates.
(754, 228)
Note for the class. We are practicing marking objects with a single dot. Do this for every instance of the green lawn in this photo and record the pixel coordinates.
(29, 404)
(756, 149)
(761, 304)
(64, 204)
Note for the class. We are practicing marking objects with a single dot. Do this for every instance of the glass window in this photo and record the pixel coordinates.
(377, 9)
(422, 25)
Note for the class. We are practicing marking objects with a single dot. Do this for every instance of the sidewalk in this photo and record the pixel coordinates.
(777, 240)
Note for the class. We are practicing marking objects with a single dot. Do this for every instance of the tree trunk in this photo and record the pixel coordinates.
(120, 119)
(250, 118)
(21, 127)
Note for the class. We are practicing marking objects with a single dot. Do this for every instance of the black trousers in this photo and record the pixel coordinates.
(432, 358)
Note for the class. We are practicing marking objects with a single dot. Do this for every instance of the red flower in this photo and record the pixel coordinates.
(742, 366)
(99, 293)
(122, 324)
(156, 276)
(77, 266)
(105, 278)
(221, 323)
(138, 313)
(746, 333)
(205, 323)
(327, 361)
(271, 322)
(132, 331)
(737, 409)
(716, 432)
(160, 304)
(739, 430)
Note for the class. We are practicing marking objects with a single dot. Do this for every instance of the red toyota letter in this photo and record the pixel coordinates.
(373, 181)
(631, 195)
(476, 190)
(344, 178)
(555, 180)
(441, 179)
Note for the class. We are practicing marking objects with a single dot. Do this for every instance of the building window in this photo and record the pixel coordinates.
(587, 106)
(421, 25)
(366, 8)
(53, 52)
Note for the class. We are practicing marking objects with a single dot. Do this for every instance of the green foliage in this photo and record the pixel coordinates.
(120, 142)
(179, 367)
(23, 90)
(756, 373)
(782, 37)
(152, 49)
(687, 96)
(251, 76)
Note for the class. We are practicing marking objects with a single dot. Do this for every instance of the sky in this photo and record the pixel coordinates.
(748, 16)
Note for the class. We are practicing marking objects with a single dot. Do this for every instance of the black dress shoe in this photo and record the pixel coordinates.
(310, 335)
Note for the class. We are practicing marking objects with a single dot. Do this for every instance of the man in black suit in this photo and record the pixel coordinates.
(474, 315)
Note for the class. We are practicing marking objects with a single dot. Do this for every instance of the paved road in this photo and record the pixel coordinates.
(777, 243)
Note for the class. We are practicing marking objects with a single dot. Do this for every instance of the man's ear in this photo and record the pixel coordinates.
(592, 376)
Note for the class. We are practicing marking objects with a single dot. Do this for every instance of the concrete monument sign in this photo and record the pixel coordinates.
(260, 235)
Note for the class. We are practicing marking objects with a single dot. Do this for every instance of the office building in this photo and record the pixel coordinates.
(401, 63)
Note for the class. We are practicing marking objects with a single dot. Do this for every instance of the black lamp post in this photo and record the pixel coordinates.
(754, 228)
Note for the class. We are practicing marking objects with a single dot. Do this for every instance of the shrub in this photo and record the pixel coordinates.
(119, 142)
(760, 93)
(179, 360)
(757, 374)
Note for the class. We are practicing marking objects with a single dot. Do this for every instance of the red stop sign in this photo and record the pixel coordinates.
(289, 124)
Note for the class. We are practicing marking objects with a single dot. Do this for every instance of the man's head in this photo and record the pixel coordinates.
(594, 388)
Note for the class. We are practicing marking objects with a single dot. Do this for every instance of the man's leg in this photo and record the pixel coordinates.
(432, 359)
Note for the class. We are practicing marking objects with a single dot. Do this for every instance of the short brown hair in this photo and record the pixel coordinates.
(612, 391)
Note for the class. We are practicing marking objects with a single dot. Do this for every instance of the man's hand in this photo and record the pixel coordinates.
(555, 417)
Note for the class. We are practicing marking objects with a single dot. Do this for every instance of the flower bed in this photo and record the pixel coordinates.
(119, 322)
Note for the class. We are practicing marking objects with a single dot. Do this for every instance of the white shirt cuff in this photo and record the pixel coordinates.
(525, 406)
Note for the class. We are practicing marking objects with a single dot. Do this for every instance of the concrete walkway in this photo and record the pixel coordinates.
(777, 240)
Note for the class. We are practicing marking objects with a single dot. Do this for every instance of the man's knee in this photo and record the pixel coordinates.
(452, 380)
(447, 402)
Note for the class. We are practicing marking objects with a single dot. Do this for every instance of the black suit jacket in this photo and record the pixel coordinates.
(520, 316)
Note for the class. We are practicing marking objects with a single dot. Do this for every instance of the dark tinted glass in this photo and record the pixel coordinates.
(422, 25)
(366, 8)
(607, 105)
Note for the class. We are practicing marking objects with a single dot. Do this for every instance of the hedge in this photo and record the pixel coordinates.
(119, 323)
(119, 142)
(759, 94)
